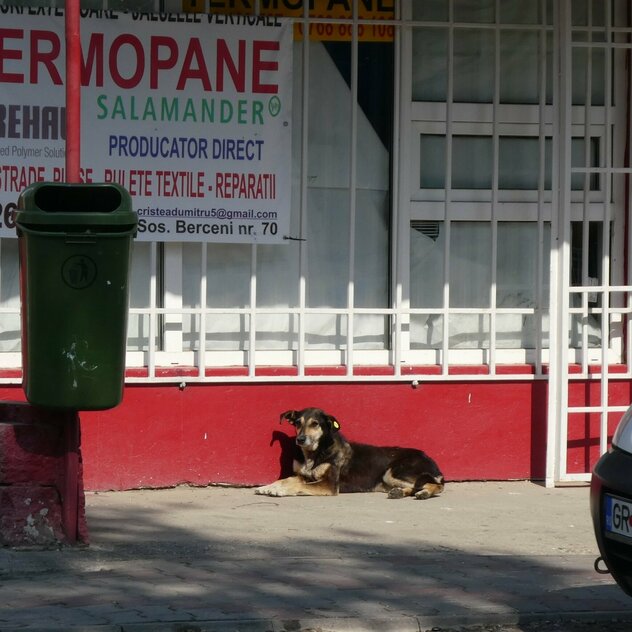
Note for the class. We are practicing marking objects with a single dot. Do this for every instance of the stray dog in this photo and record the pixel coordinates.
(331, 464)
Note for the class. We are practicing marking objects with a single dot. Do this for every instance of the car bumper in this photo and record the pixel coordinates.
(612, 475)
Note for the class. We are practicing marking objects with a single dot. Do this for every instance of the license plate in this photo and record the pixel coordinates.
(618, 516)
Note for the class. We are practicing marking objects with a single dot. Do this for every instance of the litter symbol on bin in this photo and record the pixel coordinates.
(79, 272)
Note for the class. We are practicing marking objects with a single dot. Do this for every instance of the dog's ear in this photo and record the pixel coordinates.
(289, 415)
(335, 426)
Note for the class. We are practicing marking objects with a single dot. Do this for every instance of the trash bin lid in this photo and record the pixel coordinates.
(59, 204)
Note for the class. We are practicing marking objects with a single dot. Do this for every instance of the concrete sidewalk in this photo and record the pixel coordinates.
(225, 560)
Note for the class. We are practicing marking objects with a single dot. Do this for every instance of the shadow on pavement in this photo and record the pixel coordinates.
(186, 561)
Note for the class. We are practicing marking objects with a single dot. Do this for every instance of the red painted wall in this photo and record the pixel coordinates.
(584, 428)
(161, 435)
(41, 488)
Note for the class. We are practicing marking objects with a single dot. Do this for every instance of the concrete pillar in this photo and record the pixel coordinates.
(42, 500)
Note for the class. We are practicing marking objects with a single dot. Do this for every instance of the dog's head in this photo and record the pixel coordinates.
(312, 426)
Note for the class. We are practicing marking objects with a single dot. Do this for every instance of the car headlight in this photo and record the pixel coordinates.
(623, 434)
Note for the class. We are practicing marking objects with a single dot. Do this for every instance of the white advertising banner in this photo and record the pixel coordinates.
(190, 113)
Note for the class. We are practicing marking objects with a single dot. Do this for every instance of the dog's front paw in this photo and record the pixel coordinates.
(396, 492)
(270, 490)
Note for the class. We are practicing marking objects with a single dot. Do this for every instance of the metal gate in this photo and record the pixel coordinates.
(590, 376)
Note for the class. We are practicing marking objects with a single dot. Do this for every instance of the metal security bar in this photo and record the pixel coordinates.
(596, 309)
(495, 120)
(166, 359)
(172, 334)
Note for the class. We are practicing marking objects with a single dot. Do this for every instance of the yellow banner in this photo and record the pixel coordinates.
(193, 6)
(328, 32)
(325, 9)
(367, 9)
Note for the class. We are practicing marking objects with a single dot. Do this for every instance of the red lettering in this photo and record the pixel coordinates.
(10, 53)
(157, 63)
(225, 60)
(219, 185)
(46, 58)
(113, 61)
(93, 57)
(194, 52)
(127, 60)
(259, 66)
(17, 178)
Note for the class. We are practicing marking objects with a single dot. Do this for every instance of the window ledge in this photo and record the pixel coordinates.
(14, 375)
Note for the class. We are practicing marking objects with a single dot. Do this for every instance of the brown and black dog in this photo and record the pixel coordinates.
(331, 464)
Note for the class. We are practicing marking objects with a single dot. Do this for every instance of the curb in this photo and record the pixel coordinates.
(391, 624)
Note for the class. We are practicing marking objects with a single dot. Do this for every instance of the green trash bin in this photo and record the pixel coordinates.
(75, 245)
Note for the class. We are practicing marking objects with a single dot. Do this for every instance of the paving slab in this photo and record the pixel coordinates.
(222, 559)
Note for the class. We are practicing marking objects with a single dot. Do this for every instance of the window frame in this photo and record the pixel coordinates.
(495, 120)
(203, 363)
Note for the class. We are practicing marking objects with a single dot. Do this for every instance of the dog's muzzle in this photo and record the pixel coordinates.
(305, 442)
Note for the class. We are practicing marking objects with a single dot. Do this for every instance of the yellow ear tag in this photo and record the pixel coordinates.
(336, 425)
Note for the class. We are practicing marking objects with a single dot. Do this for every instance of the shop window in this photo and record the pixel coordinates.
(482, 176)
(473, 65)
(317, 297)
(518, 162)
(586, 270)
(329, 197)
(253, 297)
(467, 273)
